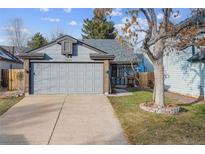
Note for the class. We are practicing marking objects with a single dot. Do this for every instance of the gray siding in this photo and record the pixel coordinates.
(80, 53)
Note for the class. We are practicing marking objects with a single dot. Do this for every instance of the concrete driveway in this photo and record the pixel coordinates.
(61, 119)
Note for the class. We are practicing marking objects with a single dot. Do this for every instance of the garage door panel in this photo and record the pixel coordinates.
(98, 75)
(97, 85)
(45, 77)
(37, 69)
(88, 75)
(89, 86)
(79, 86)
(54, 78)
(80, 75)
(63, 74)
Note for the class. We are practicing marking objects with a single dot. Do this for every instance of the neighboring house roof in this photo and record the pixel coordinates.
(5, 55)
(13, 49)
(199, 57)
(112, 46)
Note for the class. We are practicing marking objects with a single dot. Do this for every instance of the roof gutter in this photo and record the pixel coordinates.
(95, 56)
(33, 56)
(13, 61)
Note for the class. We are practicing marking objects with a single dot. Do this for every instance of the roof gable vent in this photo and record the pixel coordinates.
(67, 47)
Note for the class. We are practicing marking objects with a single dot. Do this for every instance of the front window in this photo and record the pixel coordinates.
(120, 74)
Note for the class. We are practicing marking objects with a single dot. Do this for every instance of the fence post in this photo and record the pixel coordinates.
(10, 79)
(26, 76)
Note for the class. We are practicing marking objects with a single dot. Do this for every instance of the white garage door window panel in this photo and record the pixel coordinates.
(54, 78)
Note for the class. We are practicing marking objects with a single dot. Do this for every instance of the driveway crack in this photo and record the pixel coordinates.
(59, 113)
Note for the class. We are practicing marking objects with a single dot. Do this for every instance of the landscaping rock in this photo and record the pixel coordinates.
(158, 109)
(9, 94)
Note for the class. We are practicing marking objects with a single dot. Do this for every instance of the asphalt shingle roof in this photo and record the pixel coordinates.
(112, 46)
(4, 54)
(13, 49)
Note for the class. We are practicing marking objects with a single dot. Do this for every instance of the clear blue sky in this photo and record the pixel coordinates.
(46, 20)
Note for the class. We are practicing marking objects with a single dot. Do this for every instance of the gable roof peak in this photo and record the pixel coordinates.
(65, 37)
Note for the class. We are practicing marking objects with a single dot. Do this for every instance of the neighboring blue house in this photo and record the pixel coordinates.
(184, 72)
(141, 67)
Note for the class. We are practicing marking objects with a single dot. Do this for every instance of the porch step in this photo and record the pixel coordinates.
(120, 86)
(120, 92)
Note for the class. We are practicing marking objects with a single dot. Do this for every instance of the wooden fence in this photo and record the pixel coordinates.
(13, 79)
(146, 79)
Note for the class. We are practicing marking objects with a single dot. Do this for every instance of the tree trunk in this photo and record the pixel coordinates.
(153, 97)
(159, 82)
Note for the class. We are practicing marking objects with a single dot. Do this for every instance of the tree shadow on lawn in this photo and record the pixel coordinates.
(186, 127)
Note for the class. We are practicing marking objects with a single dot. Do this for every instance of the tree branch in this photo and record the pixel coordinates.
(147, 18)
(149, 54)
(153, 20)
(167, 13)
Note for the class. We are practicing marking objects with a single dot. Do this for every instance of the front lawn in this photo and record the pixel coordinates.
(6, 103)
(142, 127)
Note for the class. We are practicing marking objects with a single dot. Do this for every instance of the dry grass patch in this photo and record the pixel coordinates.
(143, 127)
(7, 103)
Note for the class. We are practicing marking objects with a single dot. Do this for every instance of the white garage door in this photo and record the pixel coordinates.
(56, 78)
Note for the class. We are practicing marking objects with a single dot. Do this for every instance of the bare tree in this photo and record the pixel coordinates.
(134, 59)
(18, 35)
(56, 33)
(163, 36)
